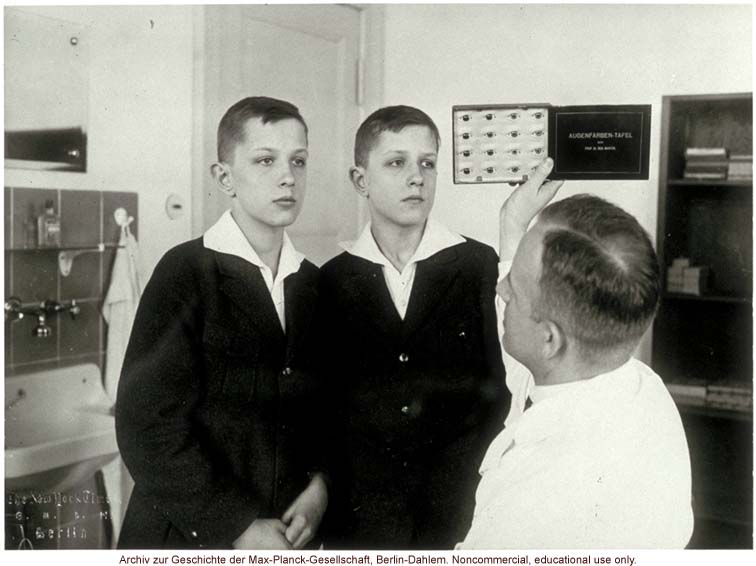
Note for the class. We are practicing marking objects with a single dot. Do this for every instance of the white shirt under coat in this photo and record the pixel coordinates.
(597, 463)
(436, 237)
(226, 237)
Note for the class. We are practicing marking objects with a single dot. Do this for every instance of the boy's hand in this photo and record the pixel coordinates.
(263, 534)
(304, 515)
(525, 202)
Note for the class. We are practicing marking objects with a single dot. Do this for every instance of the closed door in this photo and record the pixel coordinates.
(308, 55)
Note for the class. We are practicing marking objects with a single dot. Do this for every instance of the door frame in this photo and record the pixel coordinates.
(372, 34)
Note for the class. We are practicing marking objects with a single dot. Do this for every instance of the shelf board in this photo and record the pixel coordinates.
(94, 247)
(709, 298)
(698, 406)
(746, 184)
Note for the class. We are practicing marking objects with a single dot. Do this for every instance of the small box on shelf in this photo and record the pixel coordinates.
(684, 278)
(740, 167)
(706, 163)
(728, 396)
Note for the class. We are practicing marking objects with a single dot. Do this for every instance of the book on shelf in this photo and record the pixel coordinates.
(736, 389)
(729, 396)
(705, 176)
(708, 164)
(714, 164)
(741, 157)
(706, 152)
(687, 390)
(727, 401)
(740, 167)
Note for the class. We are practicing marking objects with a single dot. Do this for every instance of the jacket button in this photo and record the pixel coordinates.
(403, 357)
(194, 534)
(405, 410)
(287, 370)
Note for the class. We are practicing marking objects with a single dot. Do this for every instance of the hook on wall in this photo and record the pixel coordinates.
(66, 257)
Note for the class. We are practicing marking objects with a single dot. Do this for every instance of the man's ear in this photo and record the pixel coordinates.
(222, 175)
(553, 339)
(357, 176)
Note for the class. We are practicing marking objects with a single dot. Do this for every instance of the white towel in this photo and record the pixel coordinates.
(119, 309)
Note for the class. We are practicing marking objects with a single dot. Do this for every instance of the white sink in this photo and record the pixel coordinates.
(59, 429)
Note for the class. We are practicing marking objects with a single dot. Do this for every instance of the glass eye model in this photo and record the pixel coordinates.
(490, 134)
(513, 169)
(466, 153)
(513, 115)
(490, 152)
(537, 150)
(513, 134)
(466, 136)
(537, 133)
(489, 116)
(514, 151)
(466, 117)
(537, 115)
(490, 169)
(466, 170)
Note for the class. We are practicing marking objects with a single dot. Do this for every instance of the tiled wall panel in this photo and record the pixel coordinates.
(32, 274)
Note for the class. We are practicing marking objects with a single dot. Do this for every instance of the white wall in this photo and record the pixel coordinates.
(140, 115)
(442, 55)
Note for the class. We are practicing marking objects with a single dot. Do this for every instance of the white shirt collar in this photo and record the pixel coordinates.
(436, 237)
(552, 402)
(226, 237)
(540, 392)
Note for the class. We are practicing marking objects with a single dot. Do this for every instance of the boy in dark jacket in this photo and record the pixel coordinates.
(410, 347)
(214, 415)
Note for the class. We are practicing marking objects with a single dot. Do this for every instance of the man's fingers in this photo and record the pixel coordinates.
(279, 526)
(537, 177)
(287, 516)
(549, 189)
(294, 531)
(304, 537)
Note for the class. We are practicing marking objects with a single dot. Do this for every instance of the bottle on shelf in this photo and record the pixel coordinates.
(48, 227)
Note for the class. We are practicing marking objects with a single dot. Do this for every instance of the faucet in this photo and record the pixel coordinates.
(15, 310)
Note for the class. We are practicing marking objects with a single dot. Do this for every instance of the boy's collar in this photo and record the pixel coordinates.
(226, 237)
(436, 237)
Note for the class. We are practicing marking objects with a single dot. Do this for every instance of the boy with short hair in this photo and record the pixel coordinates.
(214, 410)
(410, 346)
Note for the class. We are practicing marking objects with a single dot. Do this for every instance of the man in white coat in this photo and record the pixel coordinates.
(593, 453)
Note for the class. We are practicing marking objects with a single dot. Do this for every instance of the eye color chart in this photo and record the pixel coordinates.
(498, 144)
(505, 143)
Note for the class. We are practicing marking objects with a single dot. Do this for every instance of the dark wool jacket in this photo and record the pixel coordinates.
(416, 401)
(214, 416)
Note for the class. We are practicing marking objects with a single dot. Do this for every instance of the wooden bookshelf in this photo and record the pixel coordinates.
(707, 339)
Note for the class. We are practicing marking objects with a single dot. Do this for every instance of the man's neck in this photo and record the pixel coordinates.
(397, 243)
(571, 369)
(267, 241)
